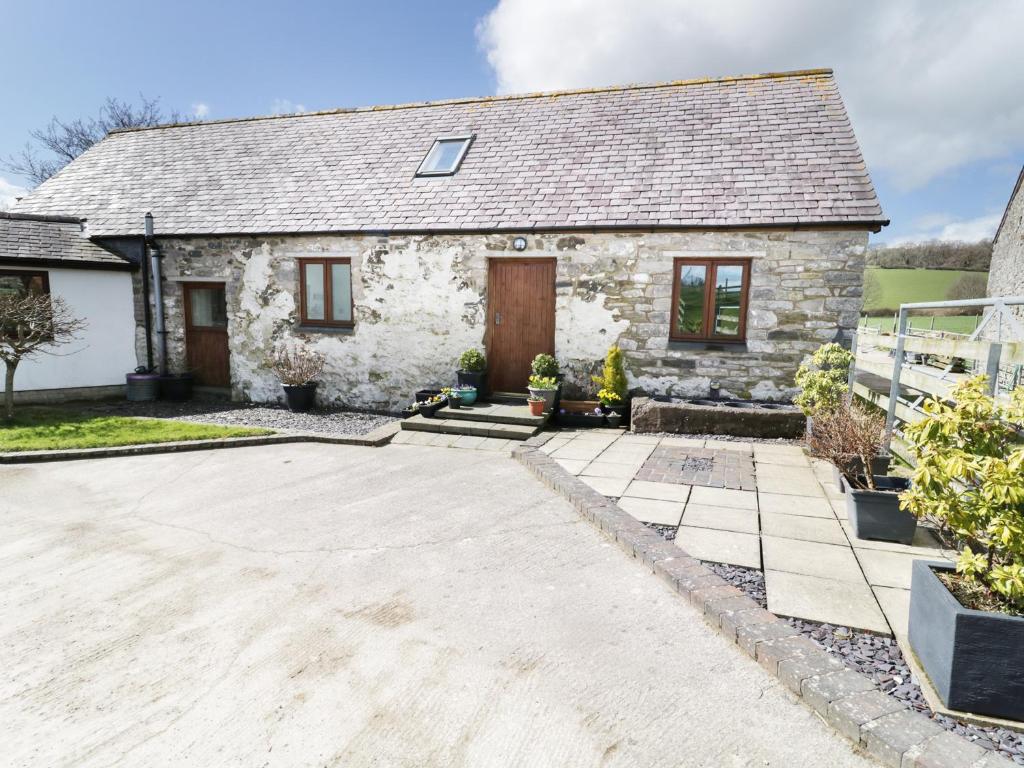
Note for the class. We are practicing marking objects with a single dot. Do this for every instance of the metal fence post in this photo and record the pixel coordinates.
(894, 386)
(995, 354)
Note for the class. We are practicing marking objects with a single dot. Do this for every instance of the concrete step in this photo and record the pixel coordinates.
(497, 413)
(466, 427)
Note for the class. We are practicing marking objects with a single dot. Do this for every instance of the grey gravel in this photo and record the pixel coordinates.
(322, 422)
(880, 659)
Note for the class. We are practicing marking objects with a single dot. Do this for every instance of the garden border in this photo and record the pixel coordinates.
(374, 439)
(878, 724)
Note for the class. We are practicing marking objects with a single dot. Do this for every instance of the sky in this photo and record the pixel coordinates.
(933, 87)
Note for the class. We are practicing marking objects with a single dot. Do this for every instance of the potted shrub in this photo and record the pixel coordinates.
(547, 366)
(872, 501)
(967, 622)
(614, 389)
(545, 388)
(536, 403)
(472, 369)
(297, 370)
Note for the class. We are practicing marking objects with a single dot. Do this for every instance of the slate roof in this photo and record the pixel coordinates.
(755, 150)
(51, 240)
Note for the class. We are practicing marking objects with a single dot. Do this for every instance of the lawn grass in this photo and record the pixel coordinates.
(46, 428)
(906, 286)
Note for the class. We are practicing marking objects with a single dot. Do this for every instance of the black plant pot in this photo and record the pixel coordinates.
(614, 420)
(588, 420)
(429, 411)
(472, 379)
(422, 395)
(454, 402)
(975, 659)
(876, 515)
(300, 397)
(176, 386)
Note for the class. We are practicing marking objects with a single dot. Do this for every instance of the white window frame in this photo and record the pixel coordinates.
(467, 141)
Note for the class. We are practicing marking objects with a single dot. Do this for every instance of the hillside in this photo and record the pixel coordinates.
(886, 289)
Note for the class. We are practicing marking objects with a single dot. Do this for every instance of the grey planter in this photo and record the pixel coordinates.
(975, 659)
(547, 394)
(877, 515)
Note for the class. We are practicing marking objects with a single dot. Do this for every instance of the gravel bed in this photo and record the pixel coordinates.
(336, 423)
(880, 659)
(667, 532)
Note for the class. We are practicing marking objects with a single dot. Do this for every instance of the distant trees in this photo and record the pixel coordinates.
(62, 141)
(933, 255)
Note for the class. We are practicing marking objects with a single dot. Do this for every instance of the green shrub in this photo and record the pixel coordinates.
(472, 361)
(544, 365)
(612, 380)
(970, 478)
(823, 383)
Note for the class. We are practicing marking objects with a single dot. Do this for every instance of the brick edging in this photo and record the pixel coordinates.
(881, 726)
(374, 439)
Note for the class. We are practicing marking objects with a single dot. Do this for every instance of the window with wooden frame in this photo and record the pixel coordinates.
(325, 286)
(16, 282)
(709, 299)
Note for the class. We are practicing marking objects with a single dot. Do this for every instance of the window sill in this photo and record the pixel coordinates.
(342, 330)
(707, 346)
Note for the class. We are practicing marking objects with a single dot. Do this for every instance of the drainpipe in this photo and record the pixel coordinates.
(147, 311)
(158, 294)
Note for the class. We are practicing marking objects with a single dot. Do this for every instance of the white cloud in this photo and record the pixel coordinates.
(944, 227)
(200, 110)
(9, 193)
(286, 107)
(931, 85)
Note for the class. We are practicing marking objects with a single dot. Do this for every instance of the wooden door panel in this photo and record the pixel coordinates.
(206, 334)
(521, 319)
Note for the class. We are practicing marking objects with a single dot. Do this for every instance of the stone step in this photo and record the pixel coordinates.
(418, 423)
(497, 413)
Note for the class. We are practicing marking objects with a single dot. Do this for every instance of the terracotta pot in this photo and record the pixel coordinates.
(536, 407)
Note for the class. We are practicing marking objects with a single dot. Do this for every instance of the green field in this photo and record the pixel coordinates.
(903, 286)
(953, 323)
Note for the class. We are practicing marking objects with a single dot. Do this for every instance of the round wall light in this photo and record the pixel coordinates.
(519, 243)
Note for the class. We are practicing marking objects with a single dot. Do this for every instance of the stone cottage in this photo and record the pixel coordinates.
(714, 229)
(1006, 274)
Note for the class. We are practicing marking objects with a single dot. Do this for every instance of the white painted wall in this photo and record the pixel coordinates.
(101, 354)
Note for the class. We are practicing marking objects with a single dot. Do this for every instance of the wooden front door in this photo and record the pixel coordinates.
(206, 333)
(520, 319)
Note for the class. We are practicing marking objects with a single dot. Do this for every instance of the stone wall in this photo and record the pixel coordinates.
(1006, 275)
(421, 300)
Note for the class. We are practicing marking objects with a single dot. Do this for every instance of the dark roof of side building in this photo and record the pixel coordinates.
(56, 241)
(749, 151)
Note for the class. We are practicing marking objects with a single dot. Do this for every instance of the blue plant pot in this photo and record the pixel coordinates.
(468, 396)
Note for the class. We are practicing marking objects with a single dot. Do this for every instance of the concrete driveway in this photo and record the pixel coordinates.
(311, 605)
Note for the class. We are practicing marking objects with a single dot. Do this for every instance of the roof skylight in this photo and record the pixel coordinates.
(445, 156)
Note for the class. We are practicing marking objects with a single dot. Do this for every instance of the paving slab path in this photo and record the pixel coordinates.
(311, 605)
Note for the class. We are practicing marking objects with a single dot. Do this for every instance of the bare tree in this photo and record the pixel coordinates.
(32, 323)
(63, 141)
(970, 285)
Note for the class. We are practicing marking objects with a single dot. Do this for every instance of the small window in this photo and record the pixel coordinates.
(21, 283)
(326, 288)
(709, 299)
(445, 156)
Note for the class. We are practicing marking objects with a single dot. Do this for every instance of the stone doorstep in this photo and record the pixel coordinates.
(495, 413)
(880, 725)
(418, 423)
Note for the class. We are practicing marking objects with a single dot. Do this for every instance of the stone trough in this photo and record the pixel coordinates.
(740, 418)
